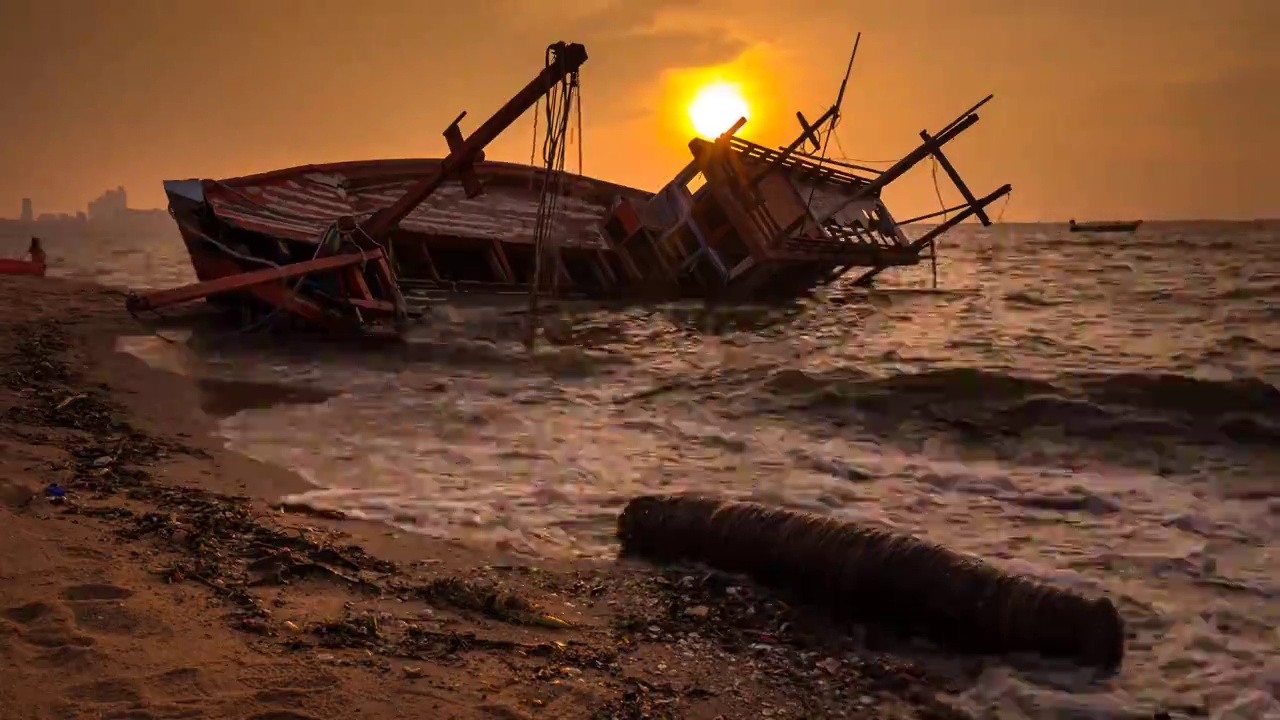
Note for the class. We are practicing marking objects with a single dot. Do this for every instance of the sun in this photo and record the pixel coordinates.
(716, 108)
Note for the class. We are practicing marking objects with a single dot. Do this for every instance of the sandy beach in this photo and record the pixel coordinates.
(158, 579)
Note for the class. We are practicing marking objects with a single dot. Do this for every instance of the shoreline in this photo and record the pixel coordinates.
(168, 583)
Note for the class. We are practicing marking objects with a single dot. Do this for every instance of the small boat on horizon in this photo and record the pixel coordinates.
(1105, 227)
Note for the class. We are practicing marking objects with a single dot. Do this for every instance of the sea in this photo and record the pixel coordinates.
(1101, 411)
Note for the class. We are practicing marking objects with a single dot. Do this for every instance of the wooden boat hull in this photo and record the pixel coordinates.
(21, 267)
(449, 244)
(762, 225)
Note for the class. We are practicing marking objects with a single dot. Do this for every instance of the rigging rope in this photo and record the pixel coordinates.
(558, 108)
(826, 142)
(533, 146)
(933, 244)
(937, 191)
(835, 119)
(845, 156)
(577, 81)
(1005, 206)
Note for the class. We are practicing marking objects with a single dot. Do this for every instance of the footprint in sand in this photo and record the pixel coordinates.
(41, 625)
(100, 608)
(282, 696)
(106, 691)
(95, 592)
(278, 676)
(28, 614)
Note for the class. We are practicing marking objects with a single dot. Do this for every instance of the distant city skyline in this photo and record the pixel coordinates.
(110, 202)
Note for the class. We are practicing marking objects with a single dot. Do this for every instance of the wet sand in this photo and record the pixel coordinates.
(167, 582)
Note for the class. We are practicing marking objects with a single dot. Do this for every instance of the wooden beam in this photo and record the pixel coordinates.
(866, 278)
(503, 261)
(571, 57)
(466, 170)
(789, 150)
(809, 132)
(956, 179)
(359, 286)
(431, 264)
(380, 306)
(241, 281)
(495, 267)
(928, 237)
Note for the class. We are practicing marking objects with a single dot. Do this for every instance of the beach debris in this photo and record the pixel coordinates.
(873, 574)
(550, 621)
(351, 631)
(257, 626)
(285, 566)
(831, 665)
(831, 466)
(698, 611)
(485, 597)
(304, 509)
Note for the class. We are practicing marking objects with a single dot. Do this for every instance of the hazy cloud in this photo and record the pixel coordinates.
(1237, 110)
(631, 45)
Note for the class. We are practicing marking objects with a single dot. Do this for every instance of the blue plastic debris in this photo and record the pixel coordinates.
(54, 491)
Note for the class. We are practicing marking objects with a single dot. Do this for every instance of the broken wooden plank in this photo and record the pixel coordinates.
(242, 281)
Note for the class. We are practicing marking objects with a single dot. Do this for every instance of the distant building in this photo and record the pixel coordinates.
(27, 214)
(111, 205)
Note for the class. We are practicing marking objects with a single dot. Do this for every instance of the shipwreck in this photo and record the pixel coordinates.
(370, 244)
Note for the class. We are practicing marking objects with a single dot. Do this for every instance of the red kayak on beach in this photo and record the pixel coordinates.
(21, 267)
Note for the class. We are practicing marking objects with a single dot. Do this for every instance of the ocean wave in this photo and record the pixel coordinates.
(1189, 395)
(1030, 299)
(1245, 410)
(1250, 292)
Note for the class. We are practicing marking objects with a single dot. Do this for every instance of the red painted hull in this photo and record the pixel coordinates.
(21, 267)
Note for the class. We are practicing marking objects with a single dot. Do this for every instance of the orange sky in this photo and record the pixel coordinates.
(1104, 108)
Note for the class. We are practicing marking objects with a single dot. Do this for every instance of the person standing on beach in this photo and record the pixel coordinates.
(37, 252)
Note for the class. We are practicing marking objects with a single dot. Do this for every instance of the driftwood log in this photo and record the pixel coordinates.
(875, 575)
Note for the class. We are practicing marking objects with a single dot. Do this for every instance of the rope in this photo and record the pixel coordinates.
(1004, 206)
(578, 82)
(845, 156)
(218, 244)
(937, 191)
(835, 119)
(826, 142)
(293, 291)
(533, 146)
(933, 244)
(558, 108)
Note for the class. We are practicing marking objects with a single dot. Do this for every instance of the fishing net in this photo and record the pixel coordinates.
(872, 574)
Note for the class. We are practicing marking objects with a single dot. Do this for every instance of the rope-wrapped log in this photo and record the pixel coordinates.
(875, 575)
